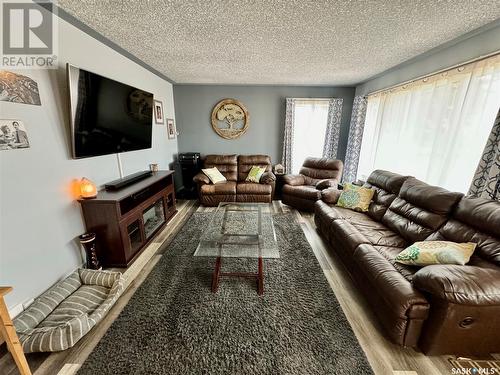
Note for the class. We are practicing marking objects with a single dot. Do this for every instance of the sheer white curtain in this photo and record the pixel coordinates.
(310, 122)
(434, 129)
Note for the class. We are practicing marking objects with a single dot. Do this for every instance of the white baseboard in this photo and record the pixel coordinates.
(16, 310)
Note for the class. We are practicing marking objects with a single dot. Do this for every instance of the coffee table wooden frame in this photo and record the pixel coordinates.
(259, 276)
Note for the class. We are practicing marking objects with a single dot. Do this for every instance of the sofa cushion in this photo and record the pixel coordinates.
(223, 188)
(253, 188)
(304, 191)
(397, 292)
(246, 162)
(419, 210)
(372, 231)
(377, 233)
(226, 164)
(325, 210)
(474, 220)
(386, 186)
(347, 236)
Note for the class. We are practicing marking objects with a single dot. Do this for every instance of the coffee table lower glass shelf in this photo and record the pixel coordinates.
(239, 230)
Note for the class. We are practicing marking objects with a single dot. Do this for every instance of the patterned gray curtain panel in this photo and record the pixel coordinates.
(288, 138)
(486, 182)
(333, 128)
(356, 128)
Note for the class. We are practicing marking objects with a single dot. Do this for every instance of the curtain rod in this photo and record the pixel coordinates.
(482, 57)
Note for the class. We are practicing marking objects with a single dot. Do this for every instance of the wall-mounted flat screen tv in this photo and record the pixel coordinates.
(107, 116)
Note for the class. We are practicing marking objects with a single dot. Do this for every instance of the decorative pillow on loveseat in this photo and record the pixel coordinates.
(255, 174)
(214, 175)
(436, 252)
(356, 198)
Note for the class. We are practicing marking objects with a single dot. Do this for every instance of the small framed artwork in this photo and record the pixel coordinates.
(171, 128)
(158, 109)
(13, 135)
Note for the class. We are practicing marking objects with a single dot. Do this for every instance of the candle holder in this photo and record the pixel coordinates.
(88, 242)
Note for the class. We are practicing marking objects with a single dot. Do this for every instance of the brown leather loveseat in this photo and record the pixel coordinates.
(442, 309)
(304, 189)
(236, 189)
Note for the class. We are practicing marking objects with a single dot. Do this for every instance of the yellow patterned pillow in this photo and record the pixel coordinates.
(255, 174)
(356, 198)
(436, 252)
(214, 175)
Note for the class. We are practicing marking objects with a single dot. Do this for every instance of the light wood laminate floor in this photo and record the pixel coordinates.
(384, 357)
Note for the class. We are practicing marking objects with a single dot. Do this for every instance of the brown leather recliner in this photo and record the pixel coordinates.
(442, 309)
(304, 189)
(235, 189)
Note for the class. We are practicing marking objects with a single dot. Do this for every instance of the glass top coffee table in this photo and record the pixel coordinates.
(239, 230)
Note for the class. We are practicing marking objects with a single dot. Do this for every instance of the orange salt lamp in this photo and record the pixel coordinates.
(87, 189)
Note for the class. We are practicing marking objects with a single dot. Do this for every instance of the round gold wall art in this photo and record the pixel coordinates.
(230, 118)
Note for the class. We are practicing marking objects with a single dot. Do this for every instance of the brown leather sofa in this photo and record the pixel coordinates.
(442, 309)
(304, 189)
(235, 189)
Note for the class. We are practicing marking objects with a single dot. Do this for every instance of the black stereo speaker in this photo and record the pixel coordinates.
(189, 164)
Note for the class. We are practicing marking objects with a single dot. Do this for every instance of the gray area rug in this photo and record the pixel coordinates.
(174, 324)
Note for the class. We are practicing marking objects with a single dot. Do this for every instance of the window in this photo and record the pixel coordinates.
(434, 129)
(310, 121)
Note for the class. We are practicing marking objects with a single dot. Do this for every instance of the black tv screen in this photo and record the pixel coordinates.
(107, 116)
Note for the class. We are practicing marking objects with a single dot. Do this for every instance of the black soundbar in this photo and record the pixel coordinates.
(127, 180)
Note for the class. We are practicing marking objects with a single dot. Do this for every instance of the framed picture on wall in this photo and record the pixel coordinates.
(158, 109)
(17, 88)
(171, 128)
(13, 135)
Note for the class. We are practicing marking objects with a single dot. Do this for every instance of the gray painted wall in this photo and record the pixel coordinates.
(266, 105)
(40, 218)
(472, 45)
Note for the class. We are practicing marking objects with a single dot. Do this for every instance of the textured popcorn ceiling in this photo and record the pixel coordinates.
(281, 41)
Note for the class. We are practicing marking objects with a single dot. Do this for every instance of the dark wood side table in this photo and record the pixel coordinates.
(280, 181)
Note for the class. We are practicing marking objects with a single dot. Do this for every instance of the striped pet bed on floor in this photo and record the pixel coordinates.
(66, 312)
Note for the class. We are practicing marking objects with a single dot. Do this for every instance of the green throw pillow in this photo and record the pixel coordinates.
(255, 174)
(436, 252)
(356, 198)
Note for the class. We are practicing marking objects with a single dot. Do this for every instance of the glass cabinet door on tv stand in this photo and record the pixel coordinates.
(153, 218)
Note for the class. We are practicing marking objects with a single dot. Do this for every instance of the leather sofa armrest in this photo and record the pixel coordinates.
(464, 285)
(294, 179)
(330, 195)
(268, 178)
(327, 183)
(201, 179)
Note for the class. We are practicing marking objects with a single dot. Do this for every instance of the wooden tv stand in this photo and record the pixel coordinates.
(127, 220)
